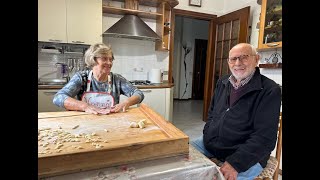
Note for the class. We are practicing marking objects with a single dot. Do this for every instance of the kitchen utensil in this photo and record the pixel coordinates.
(62, 70)
(155, 76)
(70, 64)
(274, 59)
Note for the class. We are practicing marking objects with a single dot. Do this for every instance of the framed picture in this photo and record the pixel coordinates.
(195, 3)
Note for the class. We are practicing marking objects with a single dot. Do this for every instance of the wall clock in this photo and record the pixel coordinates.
(195, 3)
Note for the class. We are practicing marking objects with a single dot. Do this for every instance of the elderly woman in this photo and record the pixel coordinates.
(97, 90)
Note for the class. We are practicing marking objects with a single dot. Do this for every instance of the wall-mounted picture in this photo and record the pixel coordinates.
(195, 3)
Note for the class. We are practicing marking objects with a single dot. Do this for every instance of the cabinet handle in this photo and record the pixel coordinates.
(50, 92)
(77, 41)
(146, 91)
(55, 40)
(272, 44)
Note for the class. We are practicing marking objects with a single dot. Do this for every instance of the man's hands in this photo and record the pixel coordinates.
(228, 171)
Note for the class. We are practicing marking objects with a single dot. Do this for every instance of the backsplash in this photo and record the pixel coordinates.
(51, 53)
(135, 58)
(274, 74)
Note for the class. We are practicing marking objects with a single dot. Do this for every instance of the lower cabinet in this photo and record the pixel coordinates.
(45, 103)
(160, 100)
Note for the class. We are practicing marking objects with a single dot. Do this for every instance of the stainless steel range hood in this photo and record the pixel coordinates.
(131, 26)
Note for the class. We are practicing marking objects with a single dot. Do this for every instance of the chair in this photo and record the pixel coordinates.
(272, 168)
(271, 171)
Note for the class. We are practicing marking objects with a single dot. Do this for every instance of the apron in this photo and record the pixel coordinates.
(98, 99)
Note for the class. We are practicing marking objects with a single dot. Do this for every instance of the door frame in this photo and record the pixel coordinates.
(210, 51)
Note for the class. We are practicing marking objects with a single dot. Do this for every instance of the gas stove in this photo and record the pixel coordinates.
(140, 82)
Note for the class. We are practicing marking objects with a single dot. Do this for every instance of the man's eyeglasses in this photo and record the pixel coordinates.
(243, 58)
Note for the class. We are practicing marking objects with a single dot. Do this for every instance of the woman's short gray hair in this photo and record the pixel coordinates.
(97, 50)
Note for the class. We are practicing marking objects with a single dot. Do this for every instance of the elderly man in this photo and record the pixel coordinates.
(242, 124)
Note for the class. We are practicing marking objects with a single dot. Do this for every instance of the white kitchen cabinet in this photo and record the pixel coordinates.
(52, 21)
(45, 104)
(155, 99)
(70, 21)
(84, 21)
(160, 100)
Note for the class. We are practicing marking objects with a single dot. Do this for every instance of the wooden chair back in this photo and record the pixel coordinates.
(278, 147)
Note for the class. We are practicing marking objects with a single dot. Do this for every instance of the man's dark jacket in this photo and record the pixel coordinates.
(245, 133)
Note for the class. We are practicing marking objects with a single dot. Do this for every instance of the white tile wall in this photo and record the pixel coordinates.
(274, 74)
(47, 61)
(135, 58)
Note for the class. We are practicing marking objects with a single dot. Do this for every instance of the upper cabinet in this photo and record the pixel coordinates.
(84, 21)
(52, 21)
(70, 21)
(270, 33)
(162, 16)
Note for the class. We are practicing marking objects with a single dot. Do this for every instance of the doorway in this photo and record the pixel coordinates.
(234, 24)
(200, 55)
(190, 57)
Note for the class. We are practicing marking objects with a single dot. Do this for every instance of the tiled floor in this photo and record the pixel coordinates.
(187, 116)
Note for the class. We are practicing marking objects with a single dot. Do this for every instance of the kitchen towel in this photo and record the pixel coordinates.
(155, 76)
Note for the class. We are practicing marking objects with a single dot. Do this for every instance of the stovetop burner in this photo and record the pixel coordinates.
(140, 82)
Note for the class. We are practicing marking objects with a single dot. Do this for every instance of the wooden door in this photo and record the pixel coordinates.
(199, 63)
(231, 29)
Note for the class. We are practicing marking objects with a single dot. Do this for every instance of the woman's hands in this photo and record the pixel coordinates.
(95, 110)
(76, 105)
(123, 106)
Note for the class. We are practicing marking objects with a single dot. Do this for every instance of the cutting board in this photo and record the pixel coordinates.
(74, 141)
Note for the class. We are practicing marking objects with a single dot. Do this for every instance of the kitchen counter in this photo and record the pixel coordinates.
(50, 86)
(153, 86)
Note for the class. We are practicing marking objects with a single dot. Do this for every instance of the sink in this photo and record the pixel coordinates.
(47, 81)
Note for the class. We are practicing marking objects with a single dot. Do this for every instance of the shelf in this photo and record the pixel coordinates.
(270, 48)
(155, 3)
(271, 66)
(272, 29)
(122, 11)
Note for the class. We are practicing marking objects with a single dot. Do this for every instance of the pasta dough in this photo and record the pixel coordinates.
(134, 125)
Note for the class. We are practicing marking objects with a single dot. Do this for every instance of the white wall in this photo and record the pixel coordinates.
(208, 6)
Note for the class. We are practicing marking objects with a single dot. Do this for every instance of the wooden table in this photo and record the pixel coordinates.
(76, 141)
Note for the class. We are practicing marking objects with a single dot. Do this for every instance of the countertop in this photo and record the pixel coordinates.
(154, 86)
